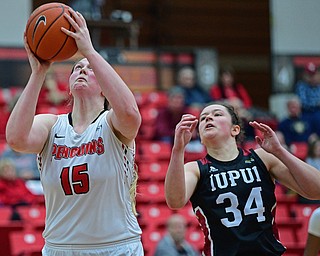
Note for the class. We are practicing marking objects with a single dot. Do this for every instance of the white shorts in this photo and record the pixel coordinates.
(130, 249)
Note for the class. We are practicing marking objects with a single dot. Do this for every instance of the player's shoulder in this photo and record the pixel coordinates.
(47, 119)
(192, 166)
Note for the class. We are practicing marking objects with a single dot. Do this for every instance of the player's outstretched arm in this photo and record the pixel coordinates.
(125, 115)
(24, 132)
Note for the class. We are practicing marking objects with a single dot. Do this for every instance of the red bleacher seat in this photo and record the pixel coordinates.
(288, 231)
(153, 170)
(33, 216)
(154, 150)
(285, 205)
(26, 243)
(3, 145)
(188, 213)
(148, 115)
(155, 215)
(158, 99)
(299, 149)
(303, 212)
(195, 237)
(141, 98)
(150, 239)
(4, 114)
(5, 230)
(146, 131)
(5, 214)
(150, 192)
(193, 156)
(151, 99)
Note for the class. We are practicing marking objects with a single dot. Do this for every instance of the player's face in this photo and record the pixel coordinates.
(82, 76)
(215, 121)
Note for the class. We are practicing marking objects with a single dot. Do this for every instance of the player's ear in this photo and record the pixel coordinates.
(235, 130)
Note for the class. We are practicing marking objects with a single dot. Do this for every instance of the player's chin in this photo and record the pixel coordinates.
(80, 85)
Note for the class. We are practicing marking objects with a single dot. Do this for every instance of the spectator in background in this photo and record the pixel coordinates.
(228, 88)
(297, 127)
(313, 240)
(245, 116)
(25, 164)
(308, 91)
(169, 116)
(53, 92)
(194, 94)
(313, 157)
(174, 243)
(13, 190)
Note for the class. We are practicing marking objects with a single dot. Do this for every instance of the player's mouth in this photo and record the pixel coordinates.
(209, 126)
(81, 79)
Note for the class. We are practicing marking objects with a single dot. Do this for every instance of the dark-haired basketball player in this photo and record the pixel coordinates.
(232, 192)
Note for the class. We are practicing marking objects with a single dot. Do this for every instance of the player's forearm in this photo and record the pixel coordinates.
(307, 177)
(115, 90)
(21, 118)
(175, 188)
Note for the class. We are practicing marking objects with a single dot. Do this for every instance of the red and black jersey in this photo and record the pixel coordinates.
(235, 204)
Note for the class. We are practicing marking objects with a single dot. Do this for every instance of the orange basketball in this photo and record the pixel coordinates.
(44, 35)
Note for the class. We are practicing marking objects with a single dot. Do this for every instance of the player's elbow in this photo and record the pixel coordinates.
(14, 143)
(174, 202)
(174, 205)
(131, 116)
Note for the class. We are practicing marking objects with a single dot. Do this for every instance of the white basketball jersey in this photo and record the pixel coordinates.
(86, 180)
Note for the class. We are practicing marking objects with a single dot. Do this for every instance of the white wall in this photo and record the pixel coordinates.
(13, 19)
(295, 26)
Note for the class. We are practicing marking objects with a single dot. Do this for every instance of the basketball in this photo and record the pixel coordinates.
(44, 35)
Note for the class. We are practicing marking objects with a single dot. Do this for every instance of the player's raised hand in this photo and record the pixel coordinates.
(268, 139)
(184, 130)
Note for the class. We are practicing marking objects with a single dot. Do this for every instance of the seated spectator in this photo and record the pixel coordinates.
(313, 240)
(297, 127)
(308, 90)
(53, 91)
(245, 116)
(194, 94)
(25, 164)
(174, 243)
(229, 88)
(13, 190)
(169, 116)
(313, 157)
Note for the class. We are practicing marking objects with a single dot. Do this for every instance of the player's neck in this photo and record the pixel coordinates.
(81, 120)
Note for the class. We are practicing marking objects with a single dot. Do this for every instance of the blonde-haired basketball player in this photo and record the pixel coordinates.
(85, 158)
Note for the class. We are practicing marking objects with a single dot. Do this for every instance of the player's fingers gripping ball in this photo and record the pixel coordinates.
(44, 35)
